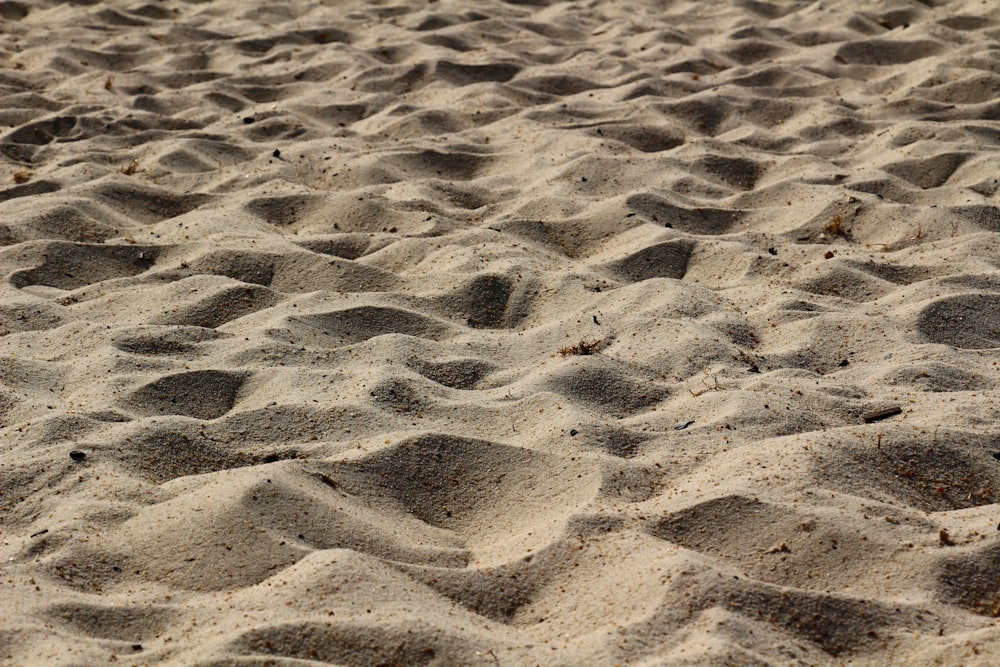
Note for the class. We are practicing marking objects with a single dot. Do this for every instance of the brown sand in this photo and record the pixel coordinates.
(364, 334)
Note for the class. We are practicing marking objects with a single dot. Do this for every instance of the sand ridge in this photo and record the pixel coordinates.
(499, 332)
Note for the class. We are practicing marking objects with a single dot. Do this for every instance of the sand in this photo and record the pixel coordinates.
(499, 333)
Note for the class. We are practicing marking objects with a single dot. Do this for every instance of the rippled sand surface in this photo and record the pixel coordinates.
(499, 333)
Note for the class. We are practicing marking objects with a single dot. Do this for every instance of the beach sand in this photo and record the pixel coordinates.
(499, 333)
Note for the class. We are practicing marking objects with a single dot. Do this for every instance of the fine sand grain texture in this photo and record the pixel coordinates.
(499, 333)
